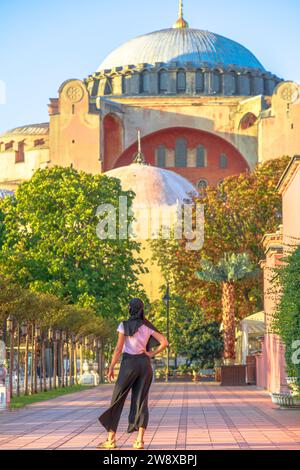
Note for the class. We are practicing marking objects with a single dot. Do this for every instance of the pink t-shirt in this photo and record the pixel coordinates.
(136, 344)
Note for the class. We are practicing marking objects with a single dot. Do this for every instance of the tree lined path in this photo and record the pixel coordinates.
(182, 416)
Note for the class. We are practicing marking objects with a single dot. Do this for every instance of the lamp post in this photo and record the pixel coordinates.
(10, 329)
(167, 299)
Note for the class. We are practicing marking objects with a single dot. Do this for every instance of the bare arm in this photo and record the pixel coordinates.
(163, 344)
(116, 356)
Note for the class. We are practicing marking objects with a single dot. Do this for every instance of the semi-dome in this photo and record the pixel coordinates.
(182, 45)
(153, 186)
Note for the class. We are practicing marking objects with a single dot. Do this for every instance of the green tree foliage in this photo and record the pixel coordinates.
(228, 271)
(287, 317)
(238, 213)
(46, 310)
(50, 243)
(201, 342)
(190, 335)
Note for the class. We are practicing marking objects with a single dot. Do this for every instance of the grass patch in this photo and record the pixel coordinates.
(23, 400)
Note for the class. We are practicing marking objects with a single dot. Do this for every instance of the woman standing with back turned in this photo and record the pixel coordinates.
(136, 336)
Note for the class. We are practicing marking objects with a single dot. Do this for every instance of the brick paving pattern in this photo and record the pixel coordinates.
(182, 416)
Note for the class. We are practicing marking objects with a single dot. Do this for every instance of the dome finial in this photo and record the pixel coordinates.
(180, 23)
(139, 157)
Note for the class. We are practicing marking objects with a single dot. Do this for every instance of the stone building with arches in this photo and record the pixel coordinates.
(205, 105)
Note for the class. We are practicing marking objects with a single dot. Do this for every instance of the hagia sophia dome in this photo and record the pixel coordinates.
(182, 45)
(147, 65)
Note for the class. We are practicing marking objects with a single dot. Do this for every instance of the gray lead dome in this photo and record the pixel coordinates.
(182, 46)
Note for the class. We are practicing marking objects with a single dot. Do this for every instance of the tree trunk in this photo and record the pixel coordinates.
(44, 366)
(26, 365)
(11, 362)
(35, 364)
(81, 361)
(75, 364)
(18, 359)
(228, 306)
(54, 364)
(67, 363)
(62, 369)
(32, 359)
(71, 357)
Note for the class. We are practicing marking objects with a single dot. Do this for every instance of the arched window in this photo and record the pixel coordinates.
(234, 83)
(223, 161)
(202, 184)
(181, 153)
(201, 157)
(145, 82)
(199, 81)
(163, 81)
(181, 81)
(161, 156)
(250, 78)
(9, 145)
(108, 86)
(248, 121)
(123, 84)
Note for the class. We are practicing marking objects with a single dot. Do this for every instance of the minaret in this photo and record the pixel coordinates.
(180, 23)
(139, 157)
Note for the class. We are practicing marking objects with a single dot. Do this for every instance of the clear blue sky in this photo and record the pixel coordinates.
(43, 43)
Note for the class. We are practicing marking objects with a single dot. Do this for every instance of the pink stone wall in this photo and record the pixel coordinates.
(291, 213)
(270, 365)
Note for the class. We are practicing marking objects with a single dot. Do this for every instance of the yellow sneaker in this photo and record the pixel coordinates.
(107, 445)
(138, 444)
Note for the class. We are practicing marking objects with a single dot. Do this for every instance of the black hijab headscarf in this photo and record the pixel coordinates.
(137, 319)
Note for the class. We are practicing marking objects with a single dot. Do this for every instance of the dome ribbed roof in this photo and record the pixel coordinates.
(181, 46)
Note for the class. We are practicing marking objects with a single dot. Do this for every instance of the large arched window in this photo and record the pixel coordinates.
(181, 153)
(161, 156)
(181, 81)
(163, 81)
(201, 157)
(199, 81)
(223, 161)
(145, 82)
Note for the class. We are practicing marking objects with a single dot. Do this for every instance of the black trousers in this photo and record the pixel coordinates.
(136, 375)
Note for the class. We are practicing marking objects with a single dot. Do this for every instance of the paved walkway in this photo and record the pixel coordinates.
(182, 416)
